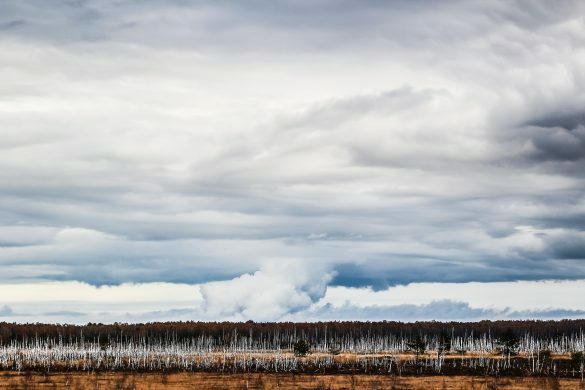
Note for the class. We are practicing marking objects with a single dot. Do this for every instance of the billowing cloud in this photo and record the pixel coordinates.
(281, 287)
(369, 144)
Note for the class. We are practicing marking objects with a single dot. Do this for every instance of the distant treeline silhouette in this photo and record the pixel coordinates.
(285, 332)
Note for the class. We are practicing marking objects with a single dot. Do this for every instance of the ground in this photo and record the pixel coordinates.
(175, 381)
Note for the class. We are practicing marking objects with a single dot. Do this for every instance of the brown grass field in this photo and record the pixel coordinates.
(175, 381)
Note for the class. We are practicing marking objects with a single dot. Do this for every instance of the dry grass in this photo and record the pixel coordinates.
(13, 380)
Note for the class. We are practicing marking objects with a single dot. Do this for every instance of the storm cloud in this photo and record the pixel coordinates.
(318, 144)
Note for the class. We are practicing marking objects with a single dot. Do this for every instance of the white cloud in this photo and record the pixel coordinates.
(282, 286)
(517, 296)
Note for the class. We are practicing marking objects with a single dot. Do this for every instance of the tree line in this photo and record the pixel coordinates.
(285, 332)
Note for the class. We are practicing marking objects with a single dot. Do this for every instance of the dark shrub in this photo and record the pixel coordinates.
(301, 348)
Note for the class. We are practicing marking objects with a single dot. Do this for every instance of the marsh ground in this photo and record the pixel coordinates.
(176, 381)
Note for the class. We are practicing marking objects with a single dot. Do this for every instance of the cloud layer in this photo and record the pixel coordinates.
(350, 144)
(273, 295)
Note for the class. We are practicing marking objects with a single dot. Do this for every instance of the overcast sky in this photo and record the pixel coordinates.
(300, 159)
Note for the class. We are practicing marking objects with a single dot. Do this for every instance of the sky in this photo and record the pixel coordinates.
(291, 160)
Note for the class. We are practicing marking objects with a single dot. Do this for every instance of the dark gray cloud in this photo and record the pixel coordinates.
(568, 121)
(569, 246)
(12, 24)
(283, 25)
(559, 144)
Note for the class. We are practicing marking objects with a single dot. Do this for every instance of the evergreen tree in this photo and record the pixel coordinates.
(301, 348)
(508, 343)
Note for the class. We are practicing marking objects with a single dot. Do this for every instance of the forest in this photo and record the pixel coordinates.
(515, 348)
(261, 332)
